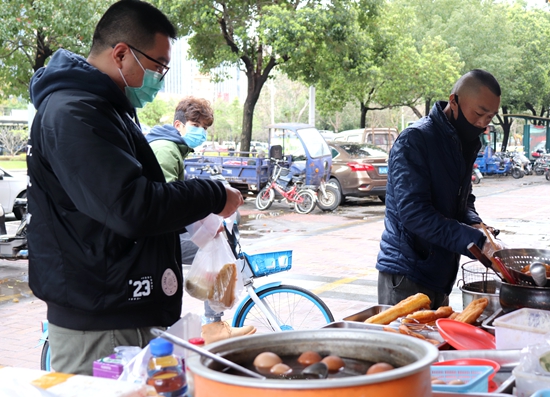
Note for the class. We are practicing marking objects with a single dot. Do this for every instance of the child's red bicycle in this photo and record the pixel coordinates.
(284, 186)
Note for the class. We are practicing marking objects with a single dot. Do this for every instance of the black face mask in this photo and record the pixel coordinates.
(467, 131)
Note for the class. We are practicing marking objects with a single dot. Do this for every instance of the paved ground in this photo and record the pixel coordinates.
(333, 255)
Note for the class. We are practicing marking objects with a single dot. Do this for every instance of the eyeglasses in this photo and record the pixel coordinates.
(162, 71)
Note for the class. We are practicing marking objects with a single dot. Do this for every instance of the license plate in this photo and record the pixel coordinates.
(382, 170)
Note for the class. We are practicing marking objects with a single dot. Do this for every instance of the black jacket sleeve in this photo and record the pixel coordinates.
(108, 171)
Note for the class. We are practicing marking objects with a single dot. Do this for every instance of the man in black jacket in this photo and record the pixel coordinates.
(103, 239)
(430, 212)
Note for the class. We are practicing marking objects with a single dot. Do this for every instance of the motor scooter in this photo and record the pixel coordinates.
(523, 162)
(14, 246)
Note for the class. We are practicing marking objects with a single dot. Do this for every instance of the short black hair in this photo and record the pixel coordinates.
(133, 22)
(476, 78)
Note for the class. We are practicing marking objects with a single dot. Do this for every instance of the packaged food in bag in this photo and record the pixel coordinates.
(214, 275)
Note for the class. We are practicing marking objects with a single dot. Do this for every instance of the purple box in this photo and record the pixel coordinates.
(108, 367)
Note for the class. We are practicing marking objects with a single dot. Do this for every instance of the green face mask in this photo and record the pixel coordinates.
(152, 84)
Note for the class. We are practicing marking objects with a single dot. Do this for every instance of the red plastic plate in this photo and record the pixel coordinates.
(464, 336)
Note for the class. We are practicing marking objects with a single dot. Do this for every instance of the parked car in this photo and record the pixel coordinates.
(359, 169)
(379, 136)
(12, 186)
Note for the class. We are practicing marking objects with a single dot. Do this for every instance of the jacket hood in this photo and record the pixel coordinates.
(67, 70)
(166, 132)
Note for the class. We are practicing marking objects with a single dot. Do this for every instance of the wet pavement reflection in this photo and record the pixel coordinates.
(518, 207)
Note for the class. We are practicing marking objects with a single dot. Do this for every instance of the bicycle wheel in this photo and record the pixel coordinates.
(332, 199)
(305, 202)
(265, 198)
(45, 364)
(294, 307)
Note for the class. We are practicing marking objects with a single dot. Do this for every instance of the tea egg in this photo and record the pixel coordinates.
(266, 360)
(308, 358)
(280, 369)
(379, 367)
(334, 363)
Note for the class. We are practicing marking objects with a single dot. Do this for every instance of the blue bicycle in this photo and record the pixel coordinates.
(274, 306)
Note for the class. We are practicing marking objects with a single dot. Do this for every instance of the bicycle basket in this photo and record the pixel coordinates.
(270, 262)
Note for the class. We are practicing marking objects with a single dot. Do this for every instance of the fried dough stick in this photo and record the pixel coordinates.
(471, 312)
(428, 316)
(406, 306)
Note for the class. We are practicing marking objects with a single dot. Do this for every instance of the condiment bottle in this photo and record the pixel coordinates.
(165, 371)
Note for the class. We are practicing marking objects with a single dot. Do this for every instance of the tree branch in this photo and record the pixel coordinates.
(531, 108)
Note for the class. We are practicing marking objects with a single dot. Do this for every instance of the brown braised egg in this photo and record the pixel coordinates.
(280, 369)
(379, 367)
(266, 360)
(334, 363)
(308, 358)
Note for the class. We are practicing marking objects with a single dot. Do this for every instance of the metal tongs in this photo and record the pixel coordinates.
(494, 264)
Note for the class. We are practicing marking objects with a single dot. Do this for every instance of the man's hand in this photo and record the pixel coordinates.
(233, 201)
(494, 232)
(492, 244)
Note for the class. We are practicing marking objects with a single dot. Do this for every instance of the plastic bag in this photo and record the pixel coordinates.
(214, 275)
(536, 358)
(203, 231)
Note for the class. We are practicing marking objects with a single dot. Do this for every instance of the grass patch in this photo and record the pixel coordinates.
(13, 162)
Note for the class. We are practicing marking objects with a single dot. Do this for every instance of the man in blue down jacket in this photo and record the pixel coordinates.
(103, 236)
(430, 213)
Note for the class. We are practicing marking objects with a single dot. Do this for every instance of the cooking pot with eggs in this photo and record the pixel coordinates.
(408, 372)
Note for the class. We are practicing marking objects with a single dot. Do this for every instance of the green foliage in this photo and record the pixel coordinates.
(33, 29)
(227, 121)
(529, 89)
(12, 102)
(260, 36)
(160, 111)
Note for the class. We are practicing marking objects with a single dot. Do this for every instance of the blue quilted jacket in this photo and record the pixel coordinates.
(429, 204)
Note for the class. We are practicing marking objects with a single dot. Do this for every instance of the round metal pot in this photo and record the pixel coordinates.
(413, 357)
(489, 289)
(513, 297)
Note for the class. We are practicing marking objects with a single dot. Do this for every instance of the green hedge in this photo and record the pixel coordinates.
(19, 157)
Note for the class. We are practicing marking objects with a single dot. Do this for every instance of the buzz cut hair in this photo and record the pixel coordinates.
(133, 22)
(474, 80)
(197, 110)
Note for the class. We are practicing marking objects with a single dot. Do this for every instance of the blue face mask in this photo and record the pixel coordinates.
(194, 136)
(152, 84)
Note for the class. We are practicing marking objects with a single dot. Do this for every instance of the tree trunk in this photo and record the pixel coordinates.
(416, 112)
(248, 116)
(427, 106)
(256, 80)
(43, 51)
(506, 124)
(364, 110)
